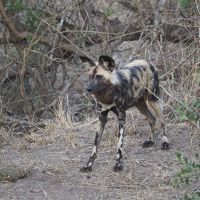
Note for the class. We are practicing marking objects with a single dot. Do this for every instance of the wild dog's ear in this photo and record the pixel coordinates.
(107, 62)
(89, 60)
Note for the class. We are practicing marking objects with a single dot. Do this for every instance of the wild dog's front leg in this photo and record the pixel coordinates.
(121, 118)
(102, 122)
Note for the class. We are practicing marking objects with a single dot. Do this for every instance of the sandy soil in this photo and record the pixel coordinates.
(54, 156)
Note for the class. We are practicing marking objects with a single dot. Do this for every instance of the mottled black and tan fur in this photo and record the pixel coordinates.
(136, 84)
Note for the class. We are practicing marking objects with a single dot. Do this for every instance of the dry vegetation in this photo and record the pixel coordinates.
(47, 122)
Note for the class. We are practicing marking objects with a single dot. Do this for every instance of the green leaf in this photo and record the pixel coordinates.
(108, 12)
(184, 3)
(183, 117)
(179, 156)
(17, 6)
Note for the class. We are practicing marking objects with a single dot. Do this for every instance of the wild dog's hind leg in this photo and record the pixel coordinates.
(102, 122)
(121, 119)
(157, 109)
(143, 108)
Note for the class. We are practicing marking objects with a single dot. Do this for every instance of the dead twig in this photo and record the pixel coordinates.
(181, 63)
(59, 28)
(9, 23)
(9, 120)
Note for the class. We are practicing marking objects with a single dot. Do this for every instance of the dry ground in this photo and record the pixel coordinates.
(51, 159)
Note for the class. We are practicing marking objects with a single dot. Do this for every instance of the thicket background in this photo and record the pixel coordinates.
(41, 42)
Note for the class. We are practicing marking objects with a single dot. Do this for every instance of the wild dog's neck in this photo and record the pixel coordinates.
(108, 95)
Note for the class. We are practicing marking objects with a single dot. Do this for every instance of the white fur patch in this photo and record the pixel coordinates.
(127, 74)
(106, 106)
(89, 164)
(94, 150)
(121, 131)
(120, 142)
(137, 62)
(165, 139)
(115, 79)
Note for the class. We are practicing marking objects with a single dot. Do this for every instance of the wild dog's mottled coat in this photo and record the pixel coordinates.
(136, 84)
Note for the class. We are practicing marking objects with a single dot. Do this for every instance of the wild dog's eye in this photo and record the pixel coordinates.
(99, 77)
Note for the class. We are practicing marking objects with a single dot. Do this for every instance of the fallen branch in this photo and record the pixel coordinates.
(25, 124)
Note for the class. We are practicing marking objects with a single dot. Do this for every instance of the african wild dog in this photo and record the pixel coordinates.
(136, 84)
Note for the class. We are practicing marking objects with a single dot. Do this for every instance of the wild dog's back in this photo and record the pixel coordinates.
(141, 78)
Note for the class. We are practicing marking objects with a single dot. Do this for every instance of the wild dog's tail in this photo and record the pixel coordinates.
(155, 88)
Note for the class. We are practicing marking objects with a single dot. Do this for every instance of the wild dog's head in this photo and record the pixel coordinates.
(100, 75)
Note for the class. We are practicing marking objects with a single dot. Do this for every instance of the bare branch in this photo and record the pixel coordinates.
(9, 23)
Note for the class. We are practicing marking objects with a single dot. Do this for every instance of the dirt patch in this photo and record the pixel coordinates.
(56, 155)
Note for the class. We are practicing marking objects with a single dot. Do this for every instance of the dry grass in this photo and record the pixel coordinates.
(13, 172)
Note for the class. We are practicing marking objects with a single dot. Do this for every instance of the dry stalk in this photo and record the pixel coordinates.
(55, 41)
(9, 22)
(181, 63)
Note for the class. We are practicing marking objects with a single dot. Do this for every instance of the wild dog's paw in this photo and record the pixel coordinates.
(118, 167)
(86, 169)
(147, 144)
(165, 146)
